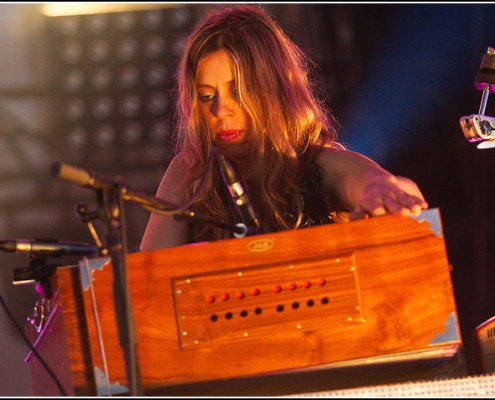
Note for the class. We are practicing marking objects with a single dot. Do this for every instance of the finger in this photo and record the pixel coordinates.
(408, 200)
(377, 209)
(358, 214)
(395, 207)
(413, 203)
(374, 206)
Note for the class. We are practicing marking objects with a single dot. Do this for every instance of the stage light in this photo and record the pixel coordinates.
(102, 107)
(130, 105)
(125, 21)
(97, 23)
(77, 138)
(99, 50)
(152, 19)
(101, 79)
(129, 76)
(156, 74)
(154, 47)
(72, 53)
(480, 127)
(70, 25)
(132, 133)
(74, 80)
(127, 48)
(157, 103)
(75, 109)
(159, 131)
(112, 74)
(181, 18)
(104, 135)
(64, 9)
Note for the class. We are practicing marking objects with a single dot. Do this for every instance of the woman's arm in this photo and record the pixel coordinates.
(164, 230)
(364, 188)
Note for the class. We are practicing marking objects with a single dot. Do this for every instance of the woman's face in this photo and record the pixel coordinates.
(219, 103)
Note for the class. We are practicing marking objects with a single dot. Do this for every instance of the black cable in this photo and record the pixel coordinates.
(23, 335)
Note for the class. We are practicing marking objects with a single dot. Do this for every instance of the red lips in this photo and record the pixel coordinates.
(229, 135)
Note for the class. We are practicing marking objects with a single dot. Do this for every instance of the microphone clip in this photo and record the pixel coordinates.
(39, 273)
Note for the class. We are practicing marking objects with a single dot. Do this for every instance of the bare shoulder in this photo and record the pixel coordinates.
(164, 230)
(177, 166)
(172, 184)
(327, 154)
(331, 155)
(333, 161)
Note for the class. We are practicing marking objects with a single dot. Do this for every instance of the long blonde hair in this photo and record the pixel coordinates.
(288, 121)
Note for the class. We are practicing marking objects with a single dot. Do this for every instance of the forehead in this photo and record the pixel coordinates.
(214, 66)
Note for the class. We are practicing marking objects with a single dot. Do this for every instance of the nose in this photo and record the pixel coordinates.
(225, 108)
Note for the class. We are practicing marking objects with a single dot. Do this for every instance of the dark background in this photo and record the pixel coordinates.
(398, 78)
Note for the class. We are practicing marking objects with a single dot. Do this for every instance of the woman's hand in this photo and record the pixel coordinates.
(389, 195)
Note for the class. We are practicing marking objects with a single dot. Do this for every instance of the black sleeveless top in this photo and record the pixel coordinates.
(315, 210)
(314, 206)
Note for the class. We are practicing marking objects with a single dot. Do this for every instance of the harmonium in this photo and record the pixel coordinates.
(330, 307)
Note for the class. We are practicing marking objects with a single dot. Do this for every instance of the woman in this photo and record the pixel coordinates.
(245, 90)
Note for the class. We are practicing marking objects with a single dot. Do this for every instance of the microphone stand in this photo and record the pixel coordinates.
(110, 198)
(110, 201)
(239, 230)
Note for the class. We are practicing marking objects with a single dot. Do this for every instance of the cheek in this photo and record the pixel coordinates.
(203, 111)
(205, 115)
(246, 120)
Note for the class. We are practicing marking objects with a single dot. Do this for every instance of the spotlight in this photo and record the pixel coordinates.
(154, 47)
(129, 76)
(478, 127)
(152, 19)
(181, 17)
(102, 107)
(72, 52)
(70, 25)
(156, 75)
(99, 50)
(132, 133)
(97, 23)
(104, 135)
(101, 79)
(125, 21)
(157, 103)
(159, 131)
(77, 138)
(130, 105)
(127, 48)
(75, 109)
(74, 80)
(110, 72)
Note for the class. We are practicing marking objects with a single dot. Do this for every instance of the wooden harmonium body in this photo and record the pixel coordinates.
(372, 289)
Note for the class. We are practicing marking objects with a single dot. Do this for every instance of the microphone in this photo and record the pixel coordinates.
(48, 248)
(238, 194)
(93, 181)
(79, 176)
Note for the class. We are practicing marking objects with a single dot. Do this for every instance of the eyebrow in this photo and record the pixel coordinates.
(204, 85)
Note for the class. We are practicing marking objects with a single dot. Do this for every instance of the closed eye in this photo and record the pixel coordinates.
(206, 97)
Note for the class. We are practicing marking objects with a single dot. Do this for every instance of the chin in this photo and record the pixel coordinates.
(237, 150)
